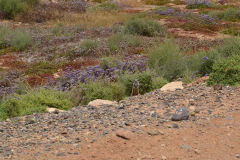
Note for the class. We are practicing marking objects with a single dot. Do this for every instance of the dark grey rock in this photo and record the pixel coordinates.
(181, 114)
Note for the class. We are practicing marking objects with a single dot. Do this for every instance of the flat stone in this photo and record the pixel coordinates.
(173, 86)
(124, 134)
(54, 110)
(100, 103)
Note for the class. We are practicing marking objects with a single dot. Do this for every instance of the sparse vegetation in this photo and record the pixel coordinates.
(90, 91)
(35, 101)
(18, 39)
(144, 27)
(97, 50)
(230, 14)
(11, 8)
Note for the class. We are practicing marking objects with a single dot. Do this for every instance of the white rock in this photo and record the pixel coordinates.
(100, 102)
(54, 110)
(173, 86)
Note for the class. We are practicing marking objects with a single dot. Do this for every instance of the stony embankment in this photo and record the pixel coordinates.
(61, 135)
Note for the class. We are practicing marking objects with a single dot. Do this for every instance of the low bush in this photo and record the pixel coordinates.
(18, 39)
(33, 102)
(114, 42)
(158, 82)
(166, 60)
(86, 92)
(229, 14)
(133, 41)
(226, 71)
(144, 27)
(88, 46)
(106, 6)
(144, 79)
(11, 8)
(109, 62)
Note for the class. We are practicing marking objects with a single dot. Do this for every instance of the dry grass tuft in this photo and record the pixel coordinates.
(92, 19)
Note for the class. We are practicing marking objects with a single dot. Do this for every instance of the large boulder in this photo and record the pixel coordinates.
(173, 86)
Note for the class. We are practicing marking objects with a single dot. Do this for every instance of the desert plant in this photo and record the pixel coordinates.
(11, 8)
(114, 42)
(19, 39)
(86, 92)
(166, 60)
(144, 79)
(144, 27)
(229, 14)
(226, 71)
(34, 101)
(106, 6)
(158, 82)
(88, 46)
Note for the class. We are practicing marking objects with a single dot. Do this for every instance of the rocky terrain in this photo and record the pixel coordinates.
(141, 127)
(62, 46)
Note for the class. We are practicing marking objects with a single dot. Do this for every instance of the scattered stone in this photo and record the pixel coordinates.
(217, 87)
(164, 158)
(238, 156)
(173, 86)
(181, 114)
(101, 103)
(175, 126)
(124, 134)
(153, 132)
(61, 154)
(196, 151)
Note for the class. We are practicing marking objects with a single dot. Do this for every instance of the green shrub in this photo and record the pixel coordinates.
(230, 47)
(58, 29)
(33, 102)
(226, 71)
(230, 14)
(206, 66)
(11, 8)
(166, 60)
(19, 39)
(106, 6)
(133, 41)
(88, 46)
(114, 42)
(84, 93)
(144, 27)
(144, 78)
(158, 82)
(109, 62)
